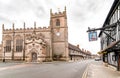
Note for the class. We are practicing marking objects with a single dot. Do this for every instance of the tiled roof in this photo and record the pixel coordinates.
(70, 46)
(73, 47)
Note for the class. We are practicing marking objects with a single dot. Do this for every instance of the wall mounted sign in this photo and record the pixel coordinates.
(92, 36)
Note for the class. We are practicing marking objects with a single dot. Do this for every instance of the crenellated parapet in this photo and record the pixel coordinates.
(44, 28)
(58, 14)
(39, 28)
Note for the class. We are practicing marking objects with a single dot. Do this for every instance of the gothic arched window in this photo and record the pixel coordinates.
(57, 22)
(8, 45)
(19, 43)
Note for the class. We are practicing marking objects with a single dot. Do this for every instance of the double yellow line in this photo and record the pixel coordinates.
(85, 72)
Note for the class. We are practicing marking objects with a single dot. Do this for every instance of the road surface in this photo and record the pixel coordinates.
(44, 70)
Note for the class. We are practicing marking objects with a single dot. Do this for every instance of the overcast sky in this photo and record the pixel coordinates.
(81, 15)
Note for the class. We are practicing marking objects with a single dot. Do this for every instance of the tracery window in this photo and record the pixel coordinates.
(19, 45)
(8, 46)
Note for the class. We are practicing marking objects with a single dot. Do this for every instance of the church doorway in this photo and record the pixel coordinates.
(34, 57)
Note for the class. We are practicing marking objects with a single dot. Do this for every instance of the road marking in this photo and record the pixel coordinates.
(85, 72)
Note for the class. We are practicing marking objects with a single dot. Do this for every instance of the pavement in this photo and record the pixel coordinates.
(99, 70)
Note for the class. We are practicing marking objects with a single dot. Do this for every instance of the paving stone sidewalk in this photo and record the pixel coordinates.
(101, 71)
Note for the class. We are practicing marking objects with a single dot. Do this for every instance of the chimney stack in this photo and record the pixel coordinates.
(78, 46)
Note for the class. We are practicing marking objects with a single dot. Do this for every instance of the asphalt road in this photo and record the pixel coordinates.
(44, 70)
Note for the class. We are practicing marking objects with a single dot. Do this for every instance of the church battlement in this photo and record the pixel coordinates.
(29, 28)
(57, 14)
(22, 29)
(8, 29)
(18, 29)
(44, 28)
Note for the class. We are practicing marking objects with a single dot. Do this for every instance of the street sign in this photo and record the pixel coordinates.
(92, 36)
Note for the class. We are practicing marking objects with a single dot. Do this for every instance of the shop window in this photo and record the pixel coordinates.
(113, 58)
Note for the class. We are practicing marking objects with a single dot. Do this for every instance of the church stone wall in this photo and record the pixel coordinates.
(0, 51)
(54, 40)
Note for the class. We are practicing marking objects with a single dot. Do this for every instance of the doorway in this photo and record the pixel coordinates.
(34, 57)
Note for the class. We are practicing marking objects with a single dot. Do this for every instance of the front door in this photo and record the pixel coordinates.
(34, 57)
(119, 62)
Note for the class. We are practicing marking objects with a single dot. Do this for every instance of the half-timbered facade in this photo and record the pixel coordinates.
(110, 36)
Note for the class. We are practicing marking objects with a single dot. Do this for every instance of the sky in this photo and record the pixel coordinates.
(81, 14)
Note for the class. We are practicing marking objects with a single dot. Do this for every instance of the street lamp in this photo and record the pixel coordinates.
(4, 54)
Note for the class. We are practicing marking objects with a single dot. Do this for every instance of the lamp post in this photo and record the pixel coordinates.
(4, 54)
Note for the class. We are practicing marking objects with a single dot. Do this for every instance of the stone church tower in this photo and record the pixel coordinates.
(59, 29)
(37, 44)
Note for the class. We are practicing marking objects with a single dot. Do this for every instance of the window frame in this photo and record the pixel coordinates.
(19, 45)
(57, 22)
(8, 46)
